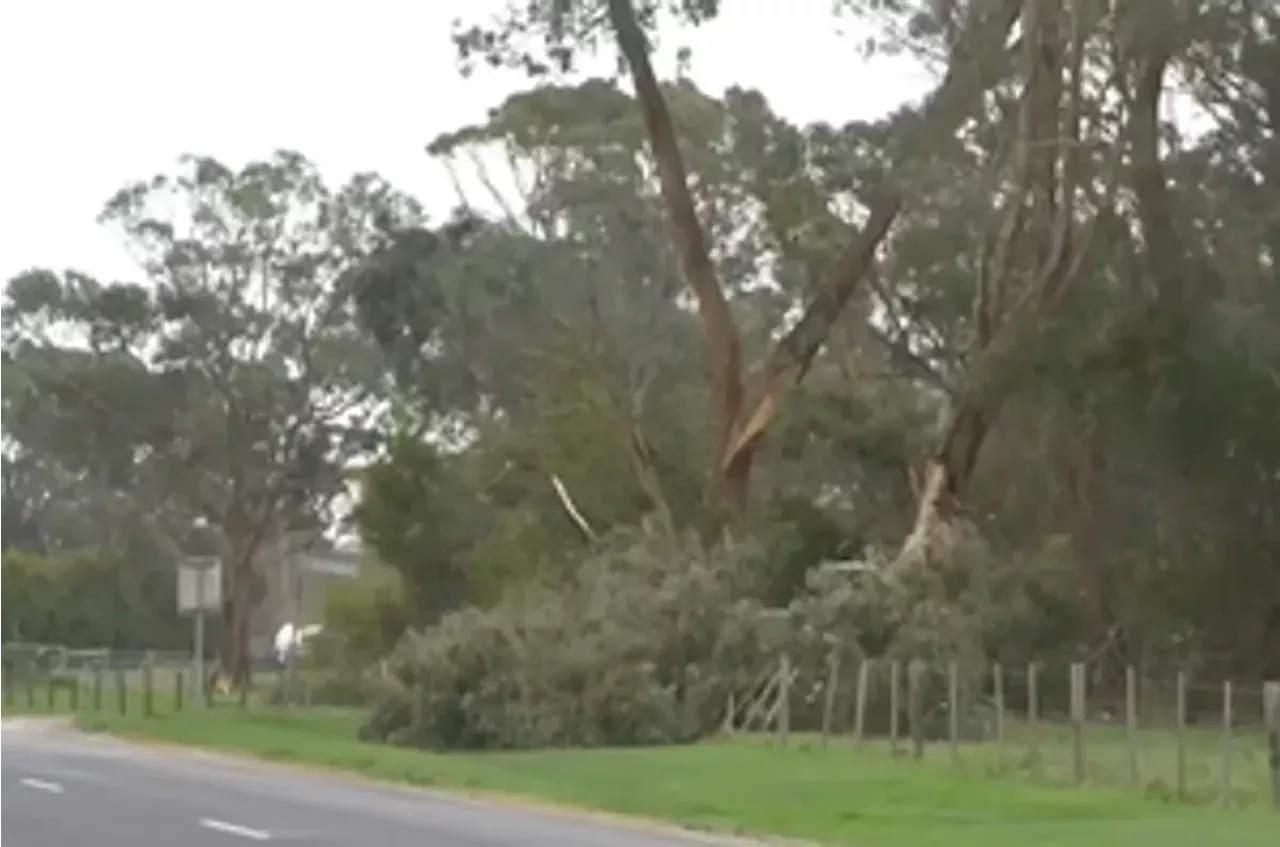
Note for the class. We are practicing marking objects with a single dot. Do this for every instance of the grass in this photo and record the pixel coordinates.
(840, 795)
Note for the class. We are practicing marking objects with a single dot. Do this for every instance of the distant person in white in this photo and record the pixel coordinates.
(289, 640)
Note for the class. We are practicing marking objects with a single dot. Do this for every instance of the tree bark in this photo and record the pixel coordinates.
(237, 607)
(243, 541)
(1084, 464)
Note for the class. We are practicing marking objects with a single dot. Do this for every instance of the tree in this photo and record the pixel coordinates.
(90, 600)
(736, 426)
(235, 387)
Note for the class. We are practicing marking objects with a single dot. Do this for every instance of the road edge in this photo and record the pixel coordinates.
(479, 798)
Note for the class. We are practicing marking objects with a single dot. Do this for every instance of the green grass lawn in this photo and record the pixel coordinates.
(844, 795)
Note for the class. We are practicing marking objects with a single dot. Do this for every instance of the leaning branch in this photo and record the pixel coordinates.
(972, 71)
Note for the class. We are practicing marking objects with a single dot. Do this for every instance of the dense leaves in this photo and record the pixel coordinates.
(636, 648)
(91, 601)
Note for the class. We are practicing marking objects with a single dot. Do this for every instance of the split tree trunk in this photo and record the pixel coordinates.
(1026, 268)
(940, 514)
(737, 432)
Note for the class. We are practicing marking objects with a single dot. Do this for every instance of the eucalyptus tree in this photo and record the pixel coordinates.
(232, 386)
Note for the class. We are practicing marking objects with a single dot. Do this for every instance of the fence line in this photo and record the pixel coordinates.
(1173, 737)
(1158, 736)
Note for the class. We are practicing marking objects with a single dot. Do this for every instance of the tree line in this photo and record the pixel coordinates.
(1014, 348)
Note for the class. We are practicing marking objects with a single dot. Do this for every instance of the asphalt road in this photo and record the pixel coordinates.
(63, 789)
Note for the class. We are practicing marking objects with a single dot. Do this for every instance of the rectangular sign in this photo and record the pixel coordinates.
(200, 587)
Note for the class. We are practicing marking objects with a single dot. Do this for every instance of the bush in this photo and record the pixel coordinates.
(639, 648)
(365, 616)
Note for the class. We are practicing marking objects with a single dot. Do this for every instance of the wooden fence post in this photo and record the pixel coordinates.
(1033, 713)
(1131, 722)
(895, 683)
(997, 681)
(1228, 723)
(829, 703)
(1181, 736)
(953, 709)
(1078, 765)
(860, 709)
(915, 706)
(1271, 699)
(148, 691)
(784, 700)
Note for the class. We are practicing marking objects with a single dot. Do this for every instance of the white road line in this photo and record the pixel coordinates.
(41, 785)
(235, 829)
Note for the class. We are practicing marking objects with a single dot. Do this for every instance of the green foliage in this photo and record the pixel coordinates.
(233, 388)
(367, 615)
(799, 535)
(414, 515)
(632, 650)
(87, 600)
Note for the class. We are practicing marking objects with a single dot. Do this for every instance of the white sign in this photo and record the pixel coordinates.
(200, 586)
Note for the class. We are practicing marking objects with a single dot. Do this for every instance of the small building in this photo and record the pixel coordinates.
(293, 587)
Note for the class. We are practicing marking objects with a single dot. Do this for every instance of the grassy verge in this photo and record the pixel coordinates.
(841, 795)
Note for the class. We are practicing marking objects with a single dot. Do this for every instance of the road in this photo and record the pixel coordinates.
(64, 789)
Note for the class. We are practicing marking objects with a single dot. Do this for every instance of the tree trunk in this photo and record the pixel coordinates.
(720, 333)
(1084, 465)
(237, 609)
(941, 519)
(1025, 272)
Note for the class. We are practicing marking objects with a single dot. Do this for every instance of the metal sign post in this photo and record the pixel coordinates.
(199, 593)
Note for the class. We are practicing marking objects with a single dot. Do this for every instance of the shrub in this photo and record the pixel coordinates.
(638, 648)
(364, 617)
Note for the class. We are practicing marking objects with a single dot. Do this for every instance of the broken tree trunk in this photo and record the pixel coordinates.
(737, 432)
(1028, 266)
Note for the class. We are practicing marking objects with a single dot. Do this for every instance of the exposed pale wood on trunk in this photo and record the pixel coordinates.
(1029, 265)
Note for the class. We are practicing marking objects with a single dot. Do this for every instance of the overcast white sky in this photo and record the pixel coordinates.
(93, 95)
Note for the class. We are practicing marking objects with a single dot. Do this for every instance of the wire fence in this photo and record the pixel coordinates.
(1178, 737)
(55, 678)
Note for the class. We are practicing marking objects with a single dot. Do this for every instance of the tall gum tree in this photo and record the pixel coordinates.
(738, 417)
(588, 196)
(235, 380)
